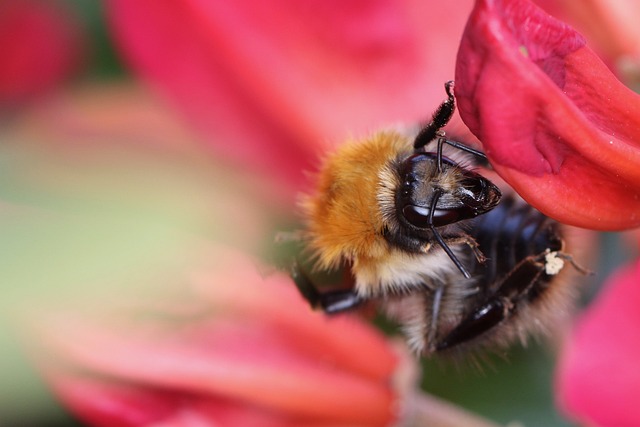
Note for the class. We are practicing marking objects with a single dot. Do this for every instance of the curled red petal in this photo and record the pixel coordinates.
(555, 122)
(598, 381)
(103, 402)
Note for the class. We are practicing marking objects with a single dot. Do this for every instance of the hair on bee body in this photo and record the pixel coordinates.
(432, 240)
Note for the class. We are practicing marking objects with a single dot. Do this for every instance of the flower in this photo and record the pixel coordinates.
(165, 288)
(268, 96)
(598, 381)
(42, 44)
(531, 90)
(140, 305)
(147, 308)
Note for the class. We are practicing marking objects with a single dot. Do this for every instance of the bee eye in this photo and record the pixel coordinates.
(419, 216)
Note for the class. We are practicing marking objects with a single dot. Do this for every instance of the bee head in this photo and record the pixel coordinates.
(460, 193)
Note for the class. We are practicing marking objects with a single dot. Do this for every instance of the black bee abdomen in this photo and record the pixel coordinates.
(516, 240)
(510, 233)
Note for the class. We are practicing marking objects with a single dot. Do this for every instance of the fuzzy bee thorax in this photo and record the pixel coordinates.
(344, 217)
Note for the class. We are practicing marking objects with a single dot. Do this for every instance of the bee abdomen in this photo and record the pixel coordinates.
(510, 233)
(516, 239)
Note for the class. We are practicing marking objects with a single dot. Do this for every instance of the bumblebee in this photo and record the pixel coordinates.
(422, 232)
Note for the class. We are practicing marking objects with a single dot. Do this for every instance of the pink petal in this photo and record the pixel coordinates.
(256, 342)
(610, 25)
(532, 92)
(313, 334)
(272, 86)
(598, 380)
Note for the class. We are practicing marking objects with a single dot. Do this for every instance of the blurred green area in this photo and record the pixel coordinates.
(103, 60)
(25, 400)
(70, 228)
(515, 389)
(56, 236)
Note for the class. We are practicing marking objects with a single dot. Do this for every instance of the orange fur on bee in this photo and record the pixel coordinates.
(344, 218)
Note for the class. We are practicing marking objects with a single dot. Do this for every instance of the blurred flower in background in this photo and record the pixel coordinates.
(274, 87)
(135, 215)
(42, 45)
(217, 345)
(598, 378)
(610, 27)
(130, 269)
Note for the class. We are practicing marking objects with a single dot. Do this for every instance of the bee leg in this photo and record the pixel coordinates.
(440, 118)
(518, 285)
(472, 244)
(330, 302)
(574, 263)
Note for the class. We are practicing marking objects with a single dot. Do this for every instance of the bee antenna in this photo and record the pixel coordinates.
(442, 140)
(439, 238)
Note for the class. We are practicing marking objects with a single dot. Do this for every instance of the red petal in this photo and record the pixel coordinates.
(554, 121)
(41, 45)
(598, 380)
(104, 402)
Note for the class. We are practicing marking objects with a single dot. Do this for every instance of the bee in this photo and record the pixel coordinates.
(436, 243)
